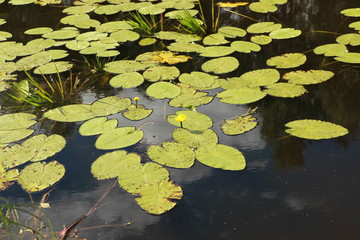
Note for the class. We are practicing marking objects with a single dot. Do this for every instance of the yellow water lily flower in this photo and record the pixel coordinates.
(180, 118)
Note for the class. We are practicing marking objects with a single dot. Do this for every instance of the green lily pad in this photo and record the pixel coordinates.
(351, 12)
(198, 79)
(158, 198)
(7, 137)
(221, 65)
(61, 34)
(191, 99)
(217, 51)
(4, 35)
(195, 121)
(119, 138)
(177, 14)
(2, 22)
(91, 36)
(172, 154)
(263, 27)
(221, 156)
(349, 57)
(77, 10)
(15, 155)
(274, 1)
(113, 26)
(21, 2)
(29, 62)
(161, 73)
(126, 66)
(127, 80)
(261, 39)
(315, 129)
(132, 176)
(124, 36)
(137, 113)
(111, 164)
(186, 47)
(355, 25)
(238, 125)
(232, 32)
(245, 46)
(332, 49)
(77, 45)
(262, 7)
(53, 67)
(108, 53)
(109, 105)
(234, 83)
(162, 57)
(308, 77)
(215, 39)
(108, 9)
(40, 175)
(287, 60)
(147, 41)
(183, 5)
(97, 126)
(241, 95)
(7, 178)
(38, 31)
(161, 90)
(167, 35)
(352, 39)
(82, 21)
(15, 121)
(260, 77)
(151, 10)
(285, 33)
(195, 139)
(286, 90)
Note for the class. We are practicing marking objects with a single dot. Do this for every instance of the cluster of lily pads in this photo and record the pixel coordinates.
(193, 138)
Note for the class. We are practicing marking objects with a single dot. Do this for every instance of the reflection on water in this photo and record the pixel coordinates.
(291, 188)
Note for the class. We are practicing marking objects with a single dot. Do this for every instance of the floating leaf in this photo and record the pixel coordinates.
(261, 39)
(151, 10)
(4, 35)
(177, 14)
(91, 36)
(263, 27)
(40, 175)
(287, 90)
(245, 46)
(111, 164)
(79, 9)
(332, 49)
(126, 66)
(161, 73)
(7, 178)
(38, 31)
(217, 51)
(262, 7)
(64, 33)
(239, 125)
(241, 95)
(147, 41)
(315, 129)
(221, 156)
(80, 21)
(355, 25)
(119, 138)
(162, 57)
(113, 26)
(215, 39)
(287, 60)
(195, 139)
(137, 113)
(54, 67)
(234, 83)
(108, 9)
(77, 45)
(15, 155)
(195, 121)
(274, 1)
(157, 198)
(232, 32)
(14, 135)
(308, 77)
(186, 47)
(349, 57)
(21, 2)
(260, 77)
(97, 126)
(14, 121)
(352, 39)
(161, 90)
(172, 154)
(351, 12)
(108, 53)
(221, 65)
(124, 36)
(198, 79)
(285, 33)
(127, 80)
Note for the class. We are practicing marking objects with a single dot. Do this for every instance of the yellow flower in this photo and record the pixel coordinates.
(180, 118)
(136, 99)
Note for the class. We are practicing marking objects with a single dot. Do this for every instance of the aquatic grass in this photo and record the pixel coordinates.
(142, 24)
(191, 25)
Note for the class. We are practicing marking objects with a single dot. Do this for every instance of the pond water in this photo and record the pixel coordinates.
(291, 188)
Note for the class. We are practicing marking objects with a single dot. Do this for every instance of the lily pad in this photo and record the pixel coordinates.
(221, 156)
(186, 47)
(21, 2)
(287, 60)
(54, 67)
(147, 41)
(217, 51)
(177, 14)
(79, 9)
(315, 129)
(263, 27)
(111, 164)
(38, 31)
(137, 113)
(162, 57)
(260, 77)
(261, 39)
(198, 79)
(262, 7)
(7, 178)
(172, 154)
(82, 21)
(15, 121)
(286, 90)
(161, 73)
(61, 34)
(7, 137)
(285, 33)
(221, 65)
(245, 46)
(215, 39)
(119, 138)
(97, 126)
(232, 32)
(127, 80)
(126, 66)
(349, 57)
(355, 25)
(124, 36)
(351, 12)
(161, 90)
(108, 53)
(195, 121)
(108, 9)
(238, 125)
(195, 139)
(40, 175)
(241, 95)
(113, 26)
(15, 155)
(91, 36)
(352, 39)
(332, 49)
(308, 77)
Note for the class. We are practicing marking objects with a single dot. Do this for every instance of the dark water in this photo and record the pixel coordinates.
(291, 188)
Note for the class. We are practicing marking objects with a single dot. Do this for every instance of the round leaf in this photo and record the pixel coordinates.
(97, 126)
(119, 138)
(127, 80)
(287, 60)
(308, 77)
(287, 90)
(241, 95)
(195, 121)
(161, 90)
(284, 33)
(137, 113)
(239, 125)
(221, 65)
(195, 139)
